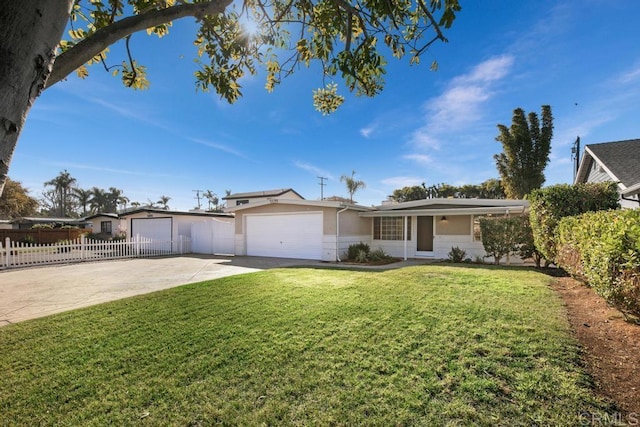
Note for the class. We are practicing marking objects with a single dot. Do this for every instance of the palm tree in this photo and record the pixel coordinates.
(62, 185)
(352, 184)
(116, 199)
(83, 197)
(164, 202)
(212, 198)
(99, 201)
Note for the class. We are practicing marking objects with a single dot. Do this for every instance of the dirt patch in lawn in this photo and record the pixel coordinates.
(612, 345)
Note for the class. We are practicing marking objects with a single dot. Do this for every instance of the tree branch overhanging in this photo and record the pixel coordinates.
(79, 54)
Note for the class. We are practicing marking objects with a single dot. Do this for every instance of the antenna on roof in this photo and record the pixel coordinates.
(575, 156)
(322, 184)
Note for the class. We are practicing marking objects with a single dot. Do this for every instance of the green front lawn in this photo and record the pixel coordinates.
(426, 345)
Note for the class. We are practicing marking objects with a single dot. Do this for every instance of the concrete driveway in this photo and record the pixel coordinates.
(39, 291)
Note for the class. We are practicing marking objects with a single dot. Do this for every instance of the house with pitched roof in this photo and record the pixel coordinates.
(324, 229)
(238, 199)
(617, 161)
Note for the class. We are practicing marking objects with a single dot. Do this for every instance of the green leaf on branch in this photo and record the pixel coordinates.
(327, 100)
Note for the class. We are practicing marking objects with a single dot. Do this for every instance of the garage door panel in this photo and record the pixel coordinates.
(285, 235)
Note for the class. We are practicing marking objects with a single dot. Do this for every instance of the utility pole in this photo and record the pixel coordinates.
(322, 184)
(575, 156)
(197, 196)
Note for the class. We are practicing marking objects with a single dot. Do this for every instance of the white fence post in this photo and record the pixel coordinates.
(137, 244)
(8, 253)
(83, 246)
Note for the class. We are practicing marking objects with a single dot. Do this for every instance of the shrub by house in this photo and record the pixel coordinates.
(603, 250)
(549, 205)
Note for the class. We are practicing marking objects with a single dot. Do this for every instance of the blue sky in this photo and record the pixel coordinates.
(581, 57)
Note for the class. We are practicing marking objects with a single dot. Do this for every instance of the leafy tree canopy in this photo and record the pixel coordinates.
(15, 201)
(489, 189)
(348, 38)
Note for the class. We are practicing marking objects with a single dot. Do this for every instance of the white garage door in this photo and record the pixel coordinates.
(156, 229)
(296, 235)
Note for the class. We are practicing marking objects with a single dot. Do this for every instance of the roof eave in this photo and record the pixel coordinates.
(497, 210)
(453, 202)
(301, 202)
(632, 190)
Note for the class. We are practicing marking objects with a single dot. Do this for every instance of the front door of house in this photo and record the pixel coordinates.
(425, 234)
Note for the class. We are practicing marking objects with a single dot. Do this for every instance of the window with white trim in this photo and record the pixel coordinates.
(105, 227)
(390, 228)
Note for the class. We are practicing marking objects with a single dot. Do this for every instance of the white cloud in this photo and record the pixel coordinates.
(419, 158)
(313, 169)
(457, 107)
(366, 132)
(629, 76)
(402, 181)
(217, 146)
(137, 114)
(493, 69)
(461, 104)
(422, 139)
(109, 170)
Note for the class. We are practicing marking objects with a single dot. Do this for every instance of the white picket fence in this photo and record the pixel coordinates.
(17, 254)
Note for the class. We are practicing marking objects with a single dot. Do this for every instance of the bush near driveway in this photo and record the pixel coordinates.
(429, 345)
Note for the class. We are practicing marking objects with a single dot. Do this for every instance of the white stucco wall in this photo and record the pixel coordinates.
(442, 245)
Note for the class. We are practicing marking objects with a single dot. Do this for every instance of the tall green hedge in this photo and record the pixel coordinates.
(603, 249)
(549, 205)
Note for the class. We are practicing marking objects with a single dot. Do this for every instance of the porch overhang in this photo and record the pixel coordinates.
(497, 210)
(632, 190)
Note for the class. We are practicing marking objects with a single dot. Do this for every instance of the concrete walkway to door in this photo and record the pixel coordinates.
(30, 293)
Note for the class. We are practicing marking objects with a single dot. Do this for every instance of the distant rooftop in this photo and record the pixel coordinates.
(265, 193)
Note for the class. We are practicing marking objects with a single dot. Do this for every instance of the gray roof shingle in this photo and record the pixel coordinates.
(622, 158)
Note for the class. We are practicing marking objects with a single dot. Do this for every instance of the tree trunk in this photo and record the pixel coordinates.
(31, 31)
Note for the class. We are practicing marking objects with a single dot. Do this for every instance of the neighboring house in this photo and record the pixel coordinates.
(614, 161)
(339, 199)
(238, 199)
(105, 225)
(289, 228)
(209, 232)
(323, 230)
